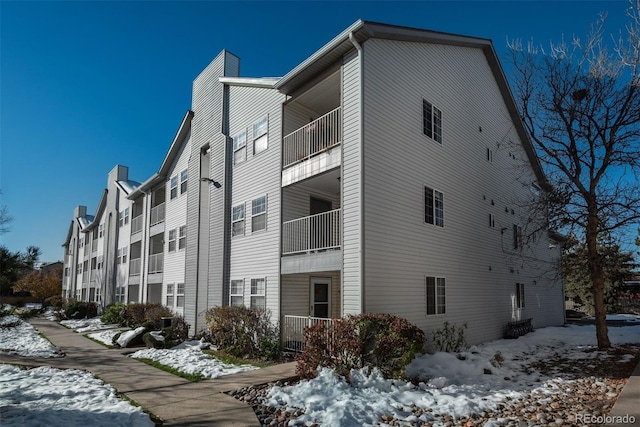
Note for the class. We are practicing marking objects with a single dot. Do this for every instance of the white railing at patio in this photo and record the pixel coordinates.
(156, 262)
(157, 214)
(293, 330)
(312, 233)
(319, 135)
(136, 224)
(134, 266)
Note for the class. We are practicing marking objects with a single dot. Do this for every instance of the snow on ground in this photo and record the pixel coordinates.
(454, 386)
(23, 339)
(189, 358)
(105, 337)
(53, 397)
(82, 326)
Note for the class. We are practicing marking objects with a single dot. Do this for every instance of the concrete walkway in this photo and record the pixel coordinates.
(627, 407)
(175, 400)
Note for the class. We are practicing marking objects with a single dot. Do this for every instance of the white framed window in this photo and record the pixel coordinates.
(100, 262)
(122, 255)
(169, 298)
(237, 220)
(173, 187)
(492, 221)
(101, 230)
(520, 295)
(98, 295)
(431, 121)
(433, 207)
(120, 221)
(126, 216)
(259, 214)
(257, 299)
(182, 237)
(435, 290)
(172, 240)
(120, 292)
(261, 134)
(240, 147)
(180, 295)
(184, 178)
(236, 293)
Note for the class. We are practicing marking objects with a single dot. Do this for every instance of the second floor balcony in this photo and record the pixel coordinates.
(134, 266)
(313, 138)
(156, 263)
(136, 224)
(157, 214)
(312, 233)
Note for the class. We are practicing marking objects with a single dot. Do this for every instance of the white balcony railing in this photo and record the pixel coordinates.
(312, 233)
(136, 224)
(157, 214)
(134, 266)
(293, 330)
(94, 245)
(313, 138)
(156, 262)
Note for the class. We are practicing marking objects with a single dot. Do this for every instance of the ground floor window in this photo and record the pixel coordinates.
(169, 297)
(236, 293)
(520, 295)
(180, 295)
(120, 293)
(436, 303)
(258, 288)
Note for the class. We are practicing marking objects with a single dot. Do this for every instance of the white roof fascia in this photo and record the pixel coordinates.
(262, 82)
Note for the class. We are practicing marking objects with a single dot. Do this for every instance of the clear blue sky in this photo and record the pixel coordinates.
(88, 85)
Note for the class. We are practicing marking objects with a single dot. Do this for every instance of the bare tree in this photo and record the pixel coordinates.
(580, 103)
(5, 218)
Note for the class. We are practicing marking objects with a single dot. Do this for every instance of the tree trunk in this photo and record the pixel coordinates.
(596, 272)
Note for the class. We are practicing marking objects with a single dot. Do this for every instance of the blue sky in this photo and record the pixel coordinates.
(88, 85)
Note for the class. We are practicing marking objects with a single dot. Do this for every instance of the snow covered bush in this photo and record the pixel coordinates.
(243, 332)
(80, 309)
(383, 341)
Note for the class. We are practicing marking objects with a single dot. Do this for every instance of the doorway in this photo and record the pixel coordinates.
(320, 297)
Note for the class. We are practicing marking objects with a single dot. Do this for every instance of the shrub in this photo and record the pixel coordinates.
(114, 314)
(80, 309)
(384, 341)
(148, 314)
(450, 338)
(56, 301)
(151, 342)
(243, 332)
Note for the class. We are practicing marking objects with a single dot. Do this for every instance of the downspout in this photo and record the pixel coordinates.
(358, 47)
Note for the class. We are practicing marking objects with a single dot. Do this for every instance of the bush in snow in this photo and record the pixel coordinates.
(148, 314)
(384, 341)
(114, 314)
(56, 301)
(154, 339)
(80, 309)
(450, 338)
(243, 332)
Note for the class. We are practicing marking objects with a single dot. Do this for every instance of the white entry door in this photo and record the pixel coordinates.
(321, 297)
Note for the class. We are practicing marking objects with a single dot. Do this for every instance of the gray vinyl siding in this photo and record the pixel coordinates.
(401, 249)
(296, 200)
(256, 254)
(204, 266)
(296, 288)
(352, 177)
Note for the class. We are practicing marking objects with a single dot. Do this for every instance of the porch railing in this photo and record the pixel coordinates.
(157, 214)
(319, 135)
(156, 262)
(312, 233)
(136, 224)
(293, 330)
(134, 266)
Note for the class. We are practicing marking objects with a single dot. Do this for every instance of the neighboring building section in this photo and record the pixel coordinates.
(388, 172)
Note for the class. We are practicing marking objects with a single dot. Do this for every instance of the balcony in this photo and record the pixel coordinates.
(157, 214)
(312, 233)
(312, 139)
(135, 265)
(293, 331)
(156, 263)
(136, 224)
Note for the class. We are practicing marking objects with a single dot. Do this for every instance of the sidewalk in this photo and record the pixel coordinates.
(177, 401)
(627, 407)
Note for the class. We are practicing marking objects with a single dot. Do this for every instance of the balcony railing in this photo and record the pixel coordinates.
(157, 214)
(312, 233)
(313, 138)
(136, 224)
(293, 330)
(156, 262)
(134, 266)
(94, 245)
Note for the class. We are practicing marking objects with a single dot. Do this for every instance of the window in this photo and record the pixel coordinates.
(237, 220)
(100, 262)
(489, 155)
(173, 185)
(433, 207)
(236, 293)
(435, 295)
(240, 147)
(184, 176)
(257, 294)
(517, 236)
(180, 295)
(431, 121)
(259, 214)
(122, 255)
(98, 295)
(182, 237)
(101, 230)
(520, 295)
(119, 258)
(123, 217)
(261, 135)
(94, 263)
(120, 294)
(126, 216)
(172, 240)
(492, 221)
(169, 299)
